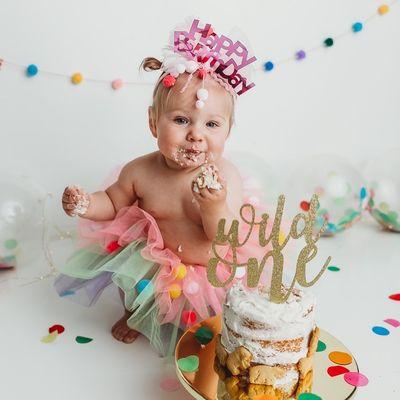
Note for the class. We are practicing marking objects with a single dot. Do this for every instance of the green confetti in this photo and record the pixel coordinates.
(10, 244)
(204, 335)
(309, 396)
(333, 268)
(189, 364)
(321, 346)
(83, 339)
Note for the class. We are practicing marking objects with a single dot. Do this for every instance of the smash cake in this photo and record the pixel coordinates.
(266, 348)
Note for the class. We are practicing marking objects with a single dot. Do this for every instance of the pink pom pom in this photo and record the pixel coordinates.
(112, 246)
(188, 317)
(169, 81)
(117, 84)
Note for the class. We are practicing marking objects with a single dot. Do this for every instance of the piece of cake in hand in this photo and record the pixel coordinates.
(265, 347)
(208, 178)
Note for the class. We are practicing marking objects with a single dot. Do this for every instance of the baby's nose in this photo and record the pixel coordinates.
(194, 135)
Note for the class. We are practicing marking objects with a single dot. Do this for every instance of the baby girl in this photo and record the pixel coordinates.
(163, 210)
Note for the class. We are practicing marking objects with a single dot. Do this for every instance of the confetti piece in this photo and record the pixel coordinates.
(83, 339)
(395, 297)
(170, 384)
(392, 322)
(336, 370)
(58, 328)
(355, 379)
(67, 293)
(333, 268)
(380, 330)
(309, 396)
(339, 357)
(189, 364)
(204, 335)
(321, 346)
(51, 337)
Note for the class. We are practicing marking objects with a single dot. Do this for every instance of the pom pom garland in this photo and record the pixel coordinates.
(357, 27)
(32, 70)
(269, 66)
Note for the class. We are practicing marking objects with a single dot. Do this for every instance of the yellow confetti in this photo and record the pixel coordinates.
(51, 337)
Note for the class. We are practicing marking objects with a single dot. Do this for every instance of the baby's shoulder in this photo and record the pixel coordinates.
(141, 164)
(228, 169)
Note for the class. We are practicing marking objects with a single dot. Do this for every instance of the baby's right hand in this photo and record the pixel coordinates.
(75, 201)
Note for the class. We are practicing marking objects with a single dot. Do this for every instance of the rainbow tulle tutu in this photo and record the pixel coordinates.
(164, 296)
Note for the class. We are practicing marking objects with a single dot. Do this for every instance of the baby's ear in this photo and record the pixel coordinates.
(152, 122)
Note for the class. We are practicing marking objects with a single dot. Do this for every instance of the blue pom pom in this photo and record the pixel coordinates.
(363, 193)
(32, 70)
(269, 66)
(357, 27)
(142, 284)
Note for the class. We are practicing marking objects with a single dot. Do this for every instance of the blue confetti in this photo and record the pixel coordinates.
(380, 330)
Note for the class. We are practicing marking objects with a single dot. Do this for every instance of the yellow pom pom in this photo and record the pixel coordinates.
(174, 291)
(180, 271)
(383, 9)
(76, 78)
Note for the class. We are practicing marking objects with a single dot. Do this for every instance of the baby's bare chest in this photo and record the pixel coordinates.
(169, 199)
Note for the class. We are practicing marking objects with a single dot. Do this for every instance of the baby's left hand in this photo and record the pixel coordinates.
(211, 199)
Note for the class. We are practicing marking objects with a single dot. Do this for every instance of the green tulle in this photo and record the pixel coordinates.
(128, 267)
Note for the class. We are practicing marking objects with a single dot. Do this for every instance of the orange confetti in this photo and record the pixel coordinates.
(264, 397)
(341, 358)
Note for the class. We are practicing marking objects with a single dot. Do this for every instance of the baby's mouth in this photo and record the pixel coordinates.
(190, 154)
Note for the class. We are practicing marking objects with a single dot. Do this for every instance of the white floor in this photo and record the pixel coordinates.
(350, 303)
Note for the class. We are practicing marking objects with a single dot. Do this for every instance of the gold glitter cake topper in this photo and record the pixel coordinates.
(254, 266)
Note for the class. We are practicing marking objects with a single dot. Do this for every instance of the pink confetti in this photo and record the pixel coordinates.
(356, 379)
(392, 322)
(170, 384)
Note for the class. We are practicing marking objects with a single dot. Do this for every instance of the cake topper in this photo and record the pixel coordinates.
(254, 266)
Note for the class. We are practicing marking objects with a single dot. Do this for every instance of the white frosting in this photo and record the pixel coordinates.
(293, 319)
(291, 377)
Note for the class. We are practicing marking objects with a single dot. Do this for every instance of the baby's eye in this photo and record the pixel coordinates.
(212, 124)
(181, 120)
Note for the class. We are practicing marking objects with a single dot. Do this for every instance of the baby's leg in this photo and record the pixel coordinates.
(121, 330)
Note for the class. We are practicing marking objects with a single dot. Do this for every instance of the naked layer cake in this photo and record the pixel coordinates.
(266, 348)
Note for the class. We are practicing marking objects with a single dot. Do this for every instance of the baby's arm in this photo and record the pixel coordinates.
(102, 205)
(222, 203)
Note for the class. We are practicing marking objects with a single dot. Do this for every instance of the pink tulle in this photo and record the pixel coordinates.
(133, 224)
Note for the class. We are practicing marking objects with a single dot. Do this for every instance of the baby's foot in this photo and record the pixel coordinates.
(122, 332)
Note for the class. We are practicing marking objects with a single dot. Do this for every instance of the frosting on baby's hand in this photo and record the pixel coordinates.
(75, 201)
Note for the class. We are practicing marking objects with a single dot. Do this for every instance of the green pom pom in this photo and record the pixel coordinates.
(328, 42)
(204, 335)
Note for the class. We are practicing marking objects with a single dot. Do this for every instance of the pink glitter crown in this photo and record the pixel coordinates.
(226, 60)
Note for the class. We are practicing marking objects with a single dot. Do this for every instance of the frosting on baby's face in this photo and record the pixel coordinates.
(188, 136)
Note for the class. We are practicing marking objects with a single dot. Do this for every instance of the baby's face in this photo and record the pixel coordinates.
(188, 136)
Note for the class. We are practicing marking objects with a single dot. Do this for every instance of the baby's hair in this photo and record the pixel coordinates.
(162, 93)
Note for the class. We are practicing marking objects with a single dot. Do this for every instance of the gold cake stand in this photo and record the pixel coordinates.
(204, 383)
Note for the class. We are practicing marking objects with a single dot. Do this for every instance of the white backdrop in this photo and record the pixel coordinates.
(343, 100)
